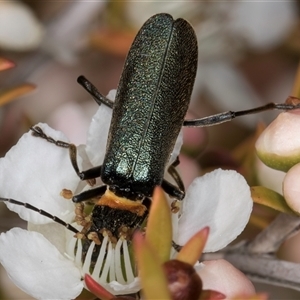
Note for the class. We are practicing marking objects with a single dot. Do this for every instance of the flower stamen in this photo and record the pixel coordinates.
(100, 259)
(103, 276)
(88, 258)
(112, 264)
(128, 267)
(78, 252)
(118, 265)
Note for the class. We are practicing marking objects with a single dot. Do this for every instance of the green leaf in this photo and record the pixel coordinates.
(159, 225)
(192, 250)
(154, 281)
(270, 198)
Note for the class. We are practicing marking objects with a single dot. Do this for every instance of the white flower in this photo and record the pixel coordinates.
(35, 172)
(45, 260)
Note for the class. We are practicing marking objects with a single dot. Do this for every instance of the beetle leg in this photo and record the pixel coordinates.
(92, 90)
(172, 190)
(89, 194)
(83, 175)
(173, 172)
(176, 246)
(177, 192)
(229, 115)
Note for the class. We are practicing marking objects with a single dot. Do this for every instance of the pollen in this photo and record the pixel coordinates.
(93, 236)
(67, 194)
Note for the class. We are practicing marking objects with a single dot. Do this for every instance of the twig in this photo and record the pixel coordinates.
(269, 240)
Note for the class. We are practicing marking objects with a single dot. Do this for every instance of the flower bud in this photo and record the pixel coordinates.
(183, 282)
(291, 188)
(278, 146)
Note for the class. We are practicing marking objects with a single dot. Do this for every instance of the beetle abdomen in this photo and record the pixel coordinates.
(151, 102)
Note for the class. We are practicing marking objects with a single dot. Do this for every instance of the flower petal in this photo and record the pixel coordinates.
(268, 177)
(177, 148)
(97, 135)
(55, 233)
(117, 288)
(221, 276)
(37, 267)
(35, 171)
(220, 200)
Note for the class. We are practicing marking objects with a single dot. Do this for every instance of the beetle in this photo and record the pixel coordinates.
(153, 95)
(151, 102)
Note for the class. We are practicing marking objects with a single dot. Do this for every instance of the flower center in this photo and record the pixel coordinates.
(112, 262)
(100, 248)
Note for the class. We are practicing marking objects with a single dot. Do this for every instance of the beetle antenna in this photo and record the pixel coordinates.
(92, 90)
(230, 115)
(38, 132)
(41, 212)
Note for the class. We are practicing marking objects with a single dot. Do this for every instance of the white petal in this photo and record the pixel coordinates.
(112, 95)
(35, 171)
(37, 267)
(53, 232)
(268, 177)
(97, 135)
(117, 288)
(221, 200)
(176, 151)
